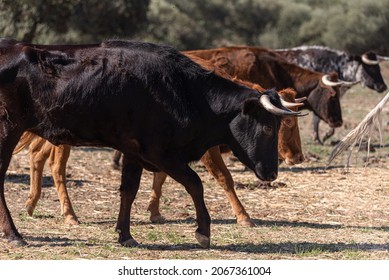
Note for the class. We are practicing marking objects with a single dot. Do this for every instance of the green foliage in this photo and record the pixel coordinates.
(355, 26)
(48, 21)
(203, 23)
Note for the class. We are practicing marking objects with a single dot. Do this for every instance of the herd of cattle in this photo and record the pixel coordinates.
(162, 109)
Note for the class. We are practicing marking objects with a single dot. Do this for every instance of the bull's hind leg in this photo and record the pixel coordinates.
(58, 159)
(214, 163)
(192, 183)
(156, 193)
(131, 174)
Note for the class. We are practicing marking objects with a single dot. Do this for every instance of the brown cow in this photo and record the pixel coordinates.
(269, 69)
(289, 147)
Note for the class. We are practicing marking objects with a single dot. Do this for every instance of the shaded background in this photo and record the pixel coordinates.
(355, 26)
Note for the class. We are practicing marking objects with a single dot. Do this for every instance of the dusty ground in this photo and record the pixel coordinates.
(310, 212)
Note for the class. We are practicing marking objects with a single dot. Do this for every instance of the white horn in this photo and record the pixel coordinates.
(325, 79)
(265, 101)
(290, 105)
(345, 83)
(301, 99)
(382, 58)
(368, 61)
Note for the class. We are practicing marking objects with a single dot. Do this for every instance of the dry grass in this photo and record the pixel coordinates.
(310, 212)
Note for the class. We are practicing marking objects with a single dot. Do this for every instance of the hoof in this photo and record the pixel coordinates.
(17, 242)
(72, 220)
(130, 243)
(246, 223)
(30, 209)
(203, 240)
(157, 219)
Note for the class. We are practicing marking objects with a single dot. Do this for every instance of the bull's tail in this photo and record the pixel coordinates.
(24, 141)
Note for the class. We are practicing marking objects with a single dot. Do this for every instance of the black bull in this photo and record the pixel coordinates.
(156, 106)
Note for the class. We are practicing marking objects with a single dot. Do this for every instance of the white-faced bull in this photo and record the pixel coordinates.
(97, 95)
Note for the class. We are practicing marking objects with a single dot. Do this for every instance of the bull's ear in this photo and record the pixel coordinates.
(30, 54)
(10, 66)
(250, 106)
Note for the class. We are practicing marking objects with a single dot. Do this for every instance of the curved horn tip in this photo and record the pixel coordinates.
(290, 105)
(368, 61)
(301, 99)
(325, 80)
(382, 58)
(266, 103)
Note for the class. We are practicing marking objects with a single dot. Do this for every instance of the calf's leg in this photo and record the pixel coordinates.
(155, 195)
(214, 163)
(58, 159)
(39, 152)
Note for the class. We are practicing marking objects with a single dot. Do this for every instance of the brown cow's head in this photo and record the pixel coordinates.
(324, 101)
(289, 142)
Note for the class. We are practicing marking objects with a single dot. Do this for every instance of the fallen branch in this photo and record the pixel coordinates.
(365, 127)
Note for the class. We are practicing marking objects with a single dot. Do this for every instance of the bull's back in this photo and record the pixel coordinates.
(98, 94)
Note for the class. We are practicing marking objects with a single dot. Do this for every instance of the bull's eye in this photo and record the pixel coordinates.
(268, 130)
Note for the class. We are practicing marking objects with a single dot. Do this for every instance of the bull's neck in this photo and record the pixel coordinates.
(303, 80)
(348, 70)
(227, 101)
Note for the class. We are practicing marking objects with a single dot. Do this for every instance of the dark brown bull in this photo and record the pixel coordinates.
(95, 96)
(289, 147)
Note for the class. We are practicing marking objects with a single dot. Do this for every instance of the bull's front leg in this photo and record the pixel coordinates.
(131, 175)
(329, 134)
(8, 140)
(316, 136)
